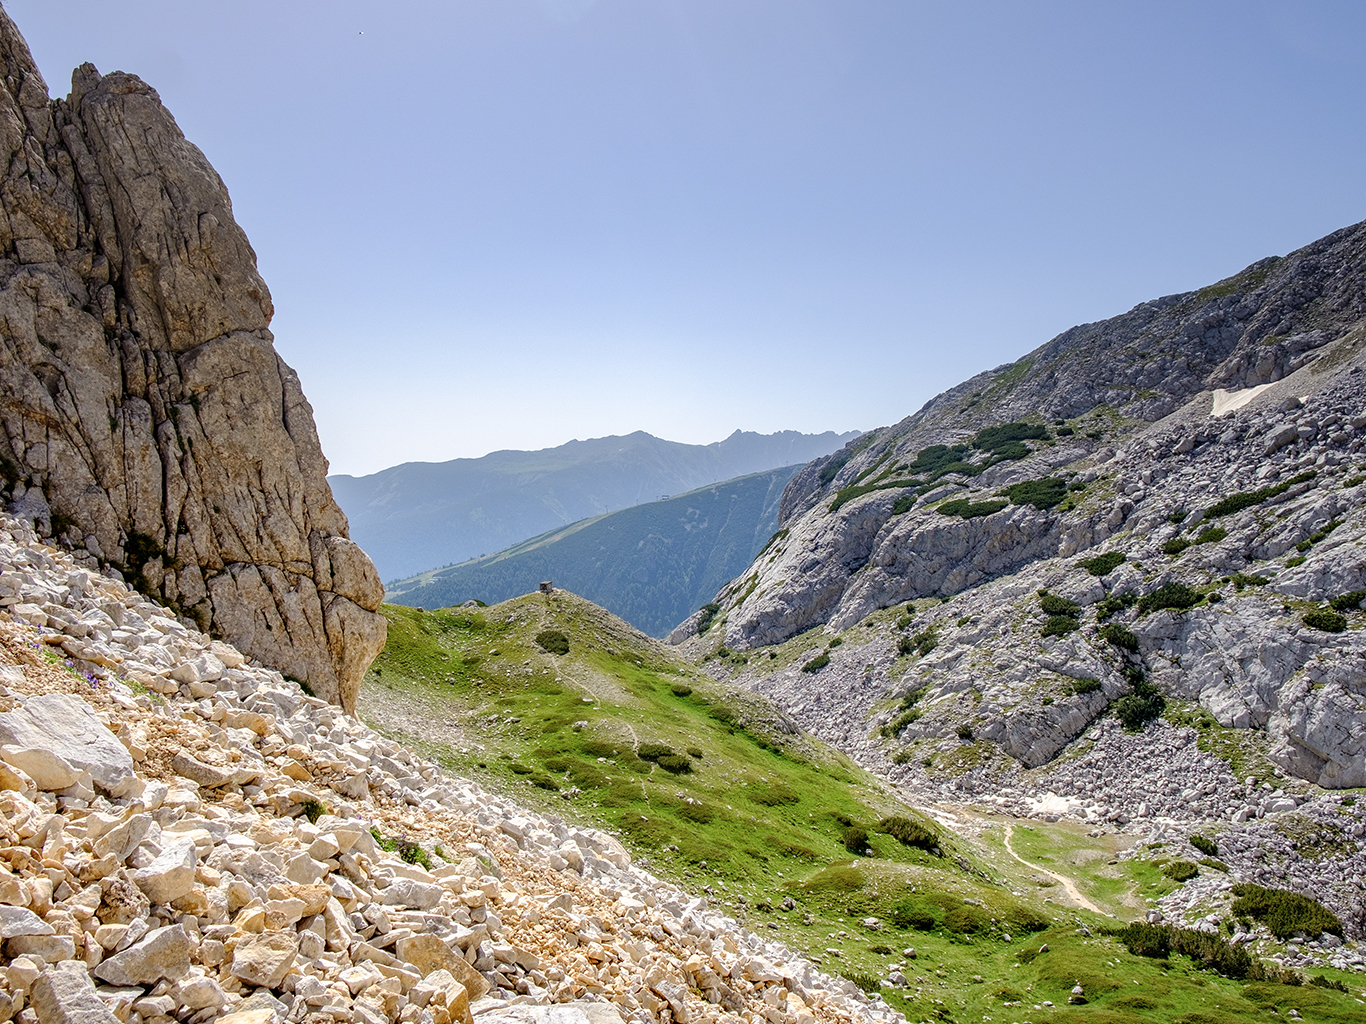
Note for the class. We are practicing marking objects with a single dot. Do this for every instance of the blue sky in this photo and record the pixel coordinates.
(508, 223)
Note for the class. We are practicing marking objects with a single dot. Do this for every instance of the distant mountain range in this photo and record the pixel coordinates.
(652, 564)
(419, 515)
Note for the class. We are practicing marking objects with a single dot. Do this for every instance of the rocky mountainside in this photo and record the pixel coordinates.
(1160, 514)
(188, 837)
(651, 564)
(421, 515)
(148, 421)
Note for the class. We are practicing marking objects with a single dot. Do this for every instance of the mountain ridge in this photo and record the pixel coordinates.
(650, 564)
(415, 516)
(1210, 445)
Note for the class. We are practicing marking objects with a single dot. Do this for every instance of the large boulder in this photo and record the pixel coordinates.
(66, 732)
(144, 413)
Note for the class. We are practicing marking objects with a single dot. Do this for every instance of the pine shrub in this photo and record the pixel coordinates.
(552, 641)
(1102, 565)
(1176, 596)
(1119, 636)
(1325, 619)
(908, 832)
(1284, 912)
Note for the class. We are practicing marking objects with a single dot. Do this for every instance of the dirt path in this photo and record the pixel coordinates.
(1062, 880)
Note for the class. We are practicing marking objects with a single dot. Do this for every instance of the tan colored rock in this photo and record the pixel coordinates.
(170, 875)
(264, 959)
(450, 1002)
(313, 897)
(165, 954)
(261, 1016)
(429, 953)
(141, 386)
(69, 997)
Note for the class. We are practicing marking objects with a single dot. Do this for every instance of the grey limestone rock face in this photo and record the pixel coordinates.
(1254, 387)
(146, 416)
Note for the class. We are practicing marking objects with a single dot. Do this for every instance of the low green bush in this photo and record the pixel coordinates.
(1060, 625)
(921, 643)
(654, 751)
(1284, 912)
(408, 851)
(1052, 604)
(908, 832)
(855, 839)
(903, 504)
(1204, 844)
(1176, 596)
(708, 614)
(817, 663)
(1325, 619)
(553, 641)
(1242, 579)
(1103, 565)
(1084, 686)
(1137, 709)
(1324, 530)
(675, 764)
(1208, 951)
(1348, 602)
(1180, 870)
(1246, 499)
(696, 752)
(681, 690)
(910, 913)
(996, 438)
(1042, 494)
(1175, 546)
(964, 731)
(893, 728)
(1114, 604)
(1211, 535)
(1117, 635)
(1065, 431)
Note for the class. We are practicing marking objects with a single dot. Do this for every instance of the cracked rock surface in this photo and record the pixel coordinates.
(147, 419)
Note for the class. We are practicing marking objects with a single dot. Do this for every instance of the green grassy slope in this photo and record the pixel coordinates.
(652, 564)
(760, 823)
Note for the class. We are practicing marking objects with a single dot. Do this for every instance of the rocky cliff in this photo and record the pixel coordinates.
(1159, 513)
(147, 418)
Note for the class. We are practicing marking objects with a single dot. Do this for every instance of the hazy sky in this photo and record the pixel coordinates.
(508, 223)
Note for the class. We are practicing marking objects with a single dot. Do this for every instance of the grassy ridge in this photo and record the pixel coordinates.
(757, 801)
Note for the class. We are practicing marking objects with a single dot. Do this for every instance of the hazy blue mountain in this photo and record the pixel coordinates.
(651, 564)
(413, 517)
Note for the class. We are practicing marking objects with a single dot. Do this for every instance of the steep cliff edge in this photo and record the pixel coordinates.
(147, 418)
